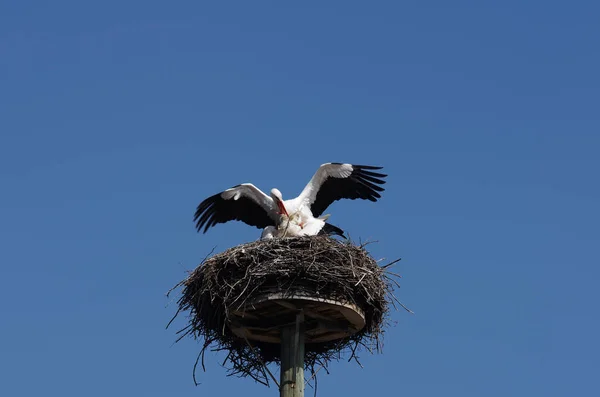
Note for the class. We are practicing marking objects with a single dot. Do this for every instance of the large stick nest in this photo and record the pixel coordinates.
(225, 282)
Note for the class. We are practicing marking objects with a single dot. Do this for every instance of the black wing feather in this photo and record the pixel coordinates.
(363, 183)
(330, 230)
(216, 209)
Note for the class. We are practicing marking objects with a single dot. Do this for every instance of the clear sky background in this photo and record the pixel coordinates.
(118, 117)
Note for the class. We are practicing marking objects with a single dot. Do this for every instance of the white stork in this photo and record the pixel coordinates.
(295, 217)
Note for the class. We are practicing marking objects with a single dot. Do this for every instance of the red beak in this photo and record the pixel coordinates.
(282, 209)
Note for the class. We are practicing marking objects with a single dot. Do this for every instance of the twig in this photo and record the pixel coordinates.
(263, 364)
(391, 263)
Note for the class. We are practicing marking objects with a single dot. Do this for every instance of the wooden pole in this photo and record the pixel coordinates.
(292, 359)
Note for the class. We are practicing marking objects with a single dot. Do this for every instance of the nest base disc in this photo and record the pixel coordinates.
(325, 320)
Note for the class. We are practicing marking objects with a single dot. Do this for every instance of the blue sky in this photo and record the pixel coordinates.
(118, 118)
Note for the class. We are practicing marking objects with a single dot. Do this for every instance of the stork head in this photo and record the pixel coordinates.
(276, 195)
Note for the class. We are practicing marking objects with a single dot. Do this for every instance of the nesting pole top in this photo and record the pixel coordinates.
(240, 300)
(325, 320)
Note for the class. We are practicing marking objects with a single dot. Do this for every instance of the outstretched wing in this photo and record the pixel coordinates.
(335, 181)
(244, 202)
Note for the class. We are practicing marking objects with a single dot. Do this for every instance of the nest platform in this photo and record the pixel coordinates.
(325, 320)
(238, 301)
